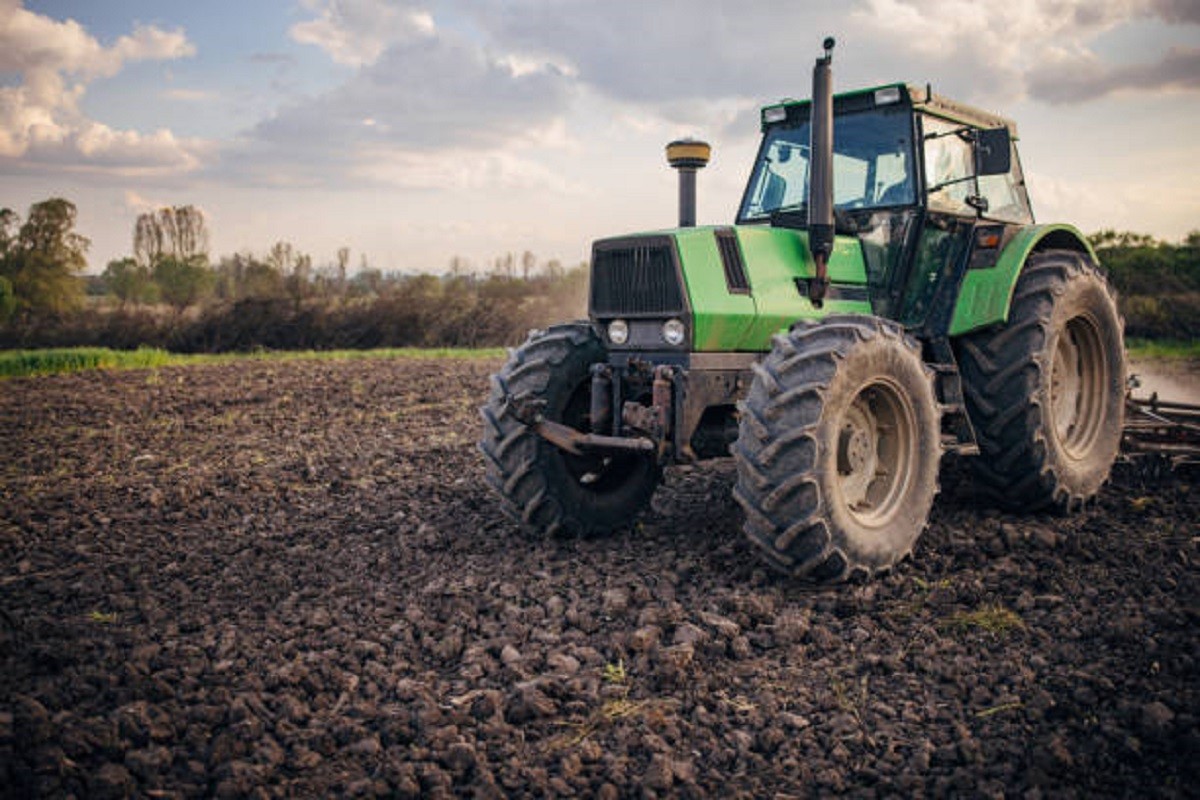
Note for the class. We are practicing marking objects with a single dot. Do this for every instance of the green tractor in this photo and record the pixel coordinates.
(884, 297)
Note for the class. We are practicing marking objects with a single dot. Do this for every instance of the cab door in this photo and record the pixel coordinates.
(955, 215)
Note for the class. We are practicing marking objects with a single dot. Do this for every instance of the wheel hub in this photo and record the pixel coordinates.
(875, 453)
(1078, 377)
(1065, 385)
(857, 448)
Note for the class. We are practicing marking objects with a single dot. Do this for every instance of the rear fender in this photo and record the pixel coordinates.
(986, 294)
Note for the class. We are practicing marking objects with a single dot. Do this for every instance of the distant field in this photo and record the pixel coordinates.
(22, 363)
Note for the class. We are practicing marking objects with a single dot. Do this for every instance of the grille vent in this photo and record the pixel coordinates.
(635, 277)
(731, 259)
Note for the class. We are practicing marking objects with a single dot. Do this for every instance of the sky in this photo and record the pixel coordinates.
(414, 132)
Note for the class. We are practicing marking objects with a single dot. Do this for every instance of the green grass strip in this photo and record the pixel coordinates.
(26, 363)
(1163, 348)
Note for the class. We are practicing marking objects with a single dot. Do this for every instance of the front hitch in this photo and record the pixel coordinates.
(529, 411)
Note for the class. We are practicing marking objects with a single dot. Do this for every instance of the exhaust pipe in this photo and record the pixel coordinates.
(687, 156)
(820, 185)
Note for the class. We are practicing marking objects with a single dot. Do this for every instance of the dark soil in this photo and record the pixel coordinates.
(289, 579)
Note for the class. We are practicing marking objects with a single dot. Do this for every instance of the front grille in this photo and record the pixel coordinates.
(635, 276)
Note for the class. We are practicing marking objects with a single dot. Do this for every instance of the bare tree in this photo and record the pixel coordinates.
(178, 232)
(343, 261)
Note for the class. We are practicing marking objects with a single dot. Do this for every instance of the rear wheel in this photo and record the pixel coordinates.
(838, 449)
(1046, 390)
(543, 487)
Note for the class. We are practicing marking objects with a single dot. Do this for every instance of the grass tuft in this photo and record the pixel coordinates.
(993, 618)
(615, 673)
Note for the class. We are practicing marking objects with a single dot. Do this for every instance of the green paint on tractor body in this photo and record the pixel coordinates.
(986, 294)
(926, 234)
(774, 259)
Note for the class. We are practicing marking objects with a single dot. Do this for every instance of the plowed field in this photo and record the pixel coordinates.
(288, 579)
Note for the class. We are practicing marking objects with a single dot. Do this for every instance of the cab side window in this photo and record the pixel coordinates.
(1007, 200)
(950, 177)
(948, 161)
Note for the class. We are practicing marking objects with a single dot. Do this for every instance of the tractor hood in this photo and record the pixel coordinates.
(732, 287)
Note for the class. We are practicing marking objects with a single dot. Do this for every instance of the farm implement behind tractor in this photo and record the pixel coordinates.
(1160, 435)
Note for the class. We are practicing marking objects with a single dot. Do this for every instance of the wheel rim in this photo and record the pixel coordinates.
(1077, 380)
(876, 453)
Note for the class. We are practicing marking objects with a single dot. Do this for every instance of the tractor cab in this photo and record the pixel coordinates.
(917, 178)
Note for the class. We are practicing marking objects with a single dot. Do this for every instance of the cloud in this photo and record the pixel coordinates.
(41, 124)
(689, 54)
(31, 42)
(647, 53)
(418, 94)
(1018, 48)
(428, 94)
(458, 170)
(1176, 10)
(1079, 80)
(357, 32)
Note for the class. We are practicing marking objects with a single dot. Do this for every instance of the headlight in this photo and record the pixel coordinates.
(673, 332)
(618, 331)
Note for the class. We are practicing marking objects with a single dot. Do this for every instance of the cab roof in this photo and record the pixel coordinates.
(920, 98)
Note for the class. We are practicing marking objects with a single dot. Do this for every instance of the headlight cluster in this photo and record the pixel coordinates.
(618, 331)
(673, 332)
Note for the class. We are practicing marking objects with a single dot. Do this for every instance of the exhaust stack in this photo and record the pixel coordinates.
(687, 156)
(820, 185)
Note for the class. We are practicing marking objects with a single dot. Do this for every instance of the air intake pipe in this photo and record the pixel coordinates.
(687, 156)
(820, 185)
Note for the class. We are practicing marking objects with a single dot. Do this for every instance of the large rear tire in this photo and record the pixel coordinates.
(543, 487)
(1046, 391)
(838, 449)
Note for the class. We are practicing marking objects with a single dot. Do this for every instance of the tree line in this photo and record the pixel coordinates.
(168, 293)
(1158, 283)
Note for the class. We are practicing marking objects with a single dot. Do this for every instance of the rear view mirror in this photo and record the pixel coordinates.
(993, 151)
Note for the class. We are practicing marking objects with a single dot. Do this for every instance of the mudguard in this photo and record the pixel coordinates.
(986, 294)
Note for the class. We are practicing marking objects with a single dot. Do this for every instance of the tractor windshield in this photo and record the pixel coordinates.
(872, 165)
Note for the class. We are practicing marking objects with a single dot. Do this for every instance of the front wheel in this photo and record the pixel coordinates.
(838, 449)
(543, 487)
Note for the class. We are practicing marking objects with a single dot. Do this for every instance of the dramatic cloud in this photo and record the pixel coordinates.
(1079, 80)
(694, 52)
(356, 32)
(429, 94)
(424, 108)
(40, 120)
(31, 42)
(1026, 47)
(1176, 10)
(673, 51)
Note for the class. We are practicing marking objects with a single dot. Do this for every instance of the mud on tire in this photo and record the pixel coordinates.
(838, 448)
(542, 487)
(1046, 390)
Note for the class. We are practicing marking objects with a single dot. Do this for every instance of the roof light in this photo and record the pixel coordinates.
(887, 95)
(774, 114)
